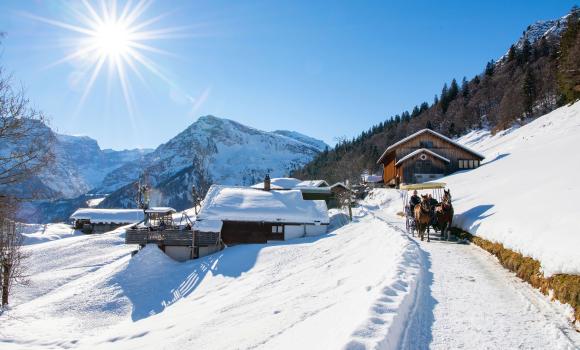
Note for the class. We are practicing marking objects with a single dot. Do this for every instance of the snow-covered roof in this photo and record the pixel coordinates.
(280, 183)
(340, 184)
(312, 183)
(109, 216)
(422, 150)
(160, 210)
(372, 178)
(228, 203)
(289, 183)
(396, 144)
(208, 225)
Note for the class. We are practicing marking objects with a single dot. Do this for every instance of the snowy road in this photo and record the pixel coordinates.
(467, 300)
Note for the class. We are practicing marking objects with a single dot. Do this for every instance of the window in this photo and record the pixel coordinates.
(277, 229)
(426, 144)
(467, 164)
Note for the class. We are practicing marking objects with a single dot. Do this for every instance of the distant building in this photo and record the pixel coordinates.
(92, 220)
(424, 156)
(252, 215)
(310, 189)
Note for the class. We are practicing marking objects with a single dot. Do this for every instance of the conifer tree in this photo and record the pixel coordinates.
(526, 51)
(464, 87)
(529, 92)
(489, 68)
(453, 90)
(569, 61)
(512, 54)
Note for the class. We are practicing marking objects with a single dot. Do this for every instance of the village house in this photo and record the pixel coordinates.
(311, 189)
(252, 215)
(424, 156)
(92, 220)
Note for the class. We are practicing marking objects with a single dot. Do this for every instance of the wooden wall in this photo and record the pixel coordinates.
(389, 168)
(234, 232)
(440, 146)
(408, 167)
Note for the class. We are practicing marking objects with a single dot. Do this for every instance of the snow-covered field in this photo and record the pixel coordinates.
(348, 288)
(525, 193)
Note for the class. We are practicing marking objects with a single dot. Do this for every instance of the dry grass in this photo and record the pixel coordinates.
(566, 288)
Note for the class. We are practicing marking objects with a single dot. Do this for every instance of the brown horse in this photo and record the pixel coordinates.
(444, 213)
(423, 217)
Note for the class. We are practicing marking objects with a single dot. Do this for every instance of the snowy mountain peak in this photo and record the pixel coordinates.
(214, 150)
(540, 29)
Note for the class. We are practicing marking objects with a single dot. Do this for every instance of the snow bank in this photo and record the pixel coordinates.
(525, 192)
(37, 233)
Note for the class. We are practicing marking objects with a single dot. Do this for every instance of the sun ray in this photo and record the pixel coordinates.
(60, 24)
(118, 36)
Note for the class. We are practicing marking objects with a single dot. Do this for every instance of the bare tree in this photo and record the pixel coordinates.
(25, 149)
(200, 162)
(11, 259)
(25, 141)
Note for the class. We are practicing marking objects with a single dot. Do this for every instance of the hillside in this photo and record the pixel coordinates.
(519, 203)
(536, 75)
(211, 150)
(92, 293)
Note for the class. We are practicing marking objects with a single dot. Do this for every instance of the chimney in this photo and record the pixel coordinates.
(267, 182)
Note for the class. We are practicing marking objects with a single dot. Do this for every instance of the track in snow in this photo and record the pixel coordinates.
(466, 299)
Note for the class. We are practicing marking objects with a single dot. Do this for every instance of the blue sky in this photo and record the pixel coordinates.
(324, 68)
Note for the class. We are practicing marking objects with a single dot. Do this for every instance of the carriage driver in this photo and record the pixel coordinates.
(415, 199)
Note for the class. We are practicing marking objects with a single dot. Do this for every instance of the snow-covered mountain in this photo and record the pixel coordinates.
(79, 165)
(211, 150)
(549, 29)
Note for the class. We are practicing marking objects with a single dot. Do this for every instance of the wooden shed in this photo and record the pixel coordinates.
(93, 220)
(424, 156)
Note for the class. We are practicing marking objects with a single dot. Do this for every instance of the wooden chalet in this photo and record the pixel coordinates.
(252, 215)
(424, 156)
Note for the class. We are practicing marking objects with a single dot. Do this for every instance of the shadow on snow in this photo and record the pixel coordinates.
(153, 281)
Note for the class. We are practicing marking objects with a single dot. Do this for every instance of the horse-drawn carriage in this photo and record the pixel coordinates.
(434, 210)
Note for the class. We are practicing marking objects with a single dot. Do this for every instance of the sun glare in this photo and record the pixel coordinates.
(119, 37)
(112, 39)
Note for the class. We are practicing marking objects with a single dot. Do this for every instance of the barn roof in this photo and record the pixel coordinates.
(109, 216)
(420, 132)
(230, 203)
(421, 150)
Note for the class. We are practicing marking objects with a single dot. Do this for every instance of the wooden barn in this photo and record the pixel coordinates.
(424, 156)
(251, 215)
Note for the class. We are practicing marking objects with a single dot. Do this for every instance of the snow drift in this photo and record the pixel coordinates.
(524, 194)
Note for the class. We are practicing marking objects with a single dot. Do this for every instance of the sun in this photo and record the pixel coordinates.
(116, 37)
(112, 39)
